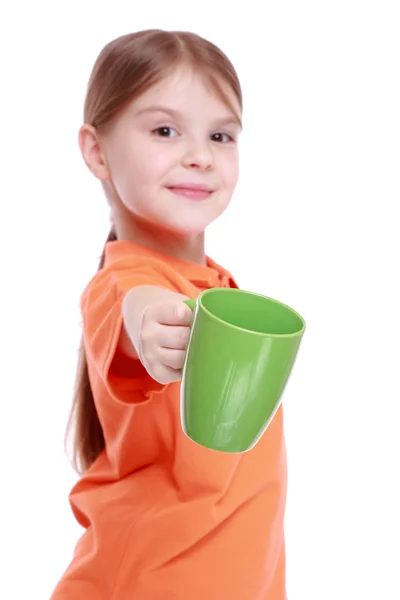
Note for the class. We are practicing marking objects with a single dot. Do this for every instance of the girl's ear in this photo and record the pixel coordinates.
(91, 152)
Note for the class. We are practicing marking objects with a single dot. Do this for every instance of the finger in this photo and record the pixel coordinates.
(165, 375)
(170, 336)
(174, 359)
(173, 313)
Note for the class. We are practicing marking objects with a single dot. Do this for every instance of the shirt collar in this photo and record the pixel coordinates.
(209, 275)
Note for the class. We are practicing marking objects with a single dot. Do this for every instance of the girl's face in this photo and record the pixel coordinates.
(172, 154)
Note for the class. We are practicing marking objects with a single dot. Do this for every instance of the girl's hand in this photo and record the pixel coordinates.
(157, 328)
(163, 339)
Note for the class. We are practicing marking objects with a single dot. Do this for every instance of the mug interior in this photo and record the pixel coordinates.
(251, 312)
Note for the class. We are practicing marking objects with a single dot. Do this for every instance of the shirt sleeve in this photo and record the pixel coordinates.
(124, 378)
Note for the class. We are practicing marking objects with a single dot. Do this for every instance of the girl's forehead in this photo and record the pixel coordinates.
(181, 77)
(183, 87)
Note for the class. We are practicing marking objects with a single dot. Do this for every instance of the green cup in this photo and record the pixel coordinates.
(241, 352)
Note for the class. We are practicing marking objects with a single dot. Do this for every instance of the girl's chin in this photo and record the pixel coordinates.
(186, 226)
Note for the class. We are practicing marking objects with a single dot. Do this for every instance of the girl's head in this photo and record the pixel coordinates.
(162, 111)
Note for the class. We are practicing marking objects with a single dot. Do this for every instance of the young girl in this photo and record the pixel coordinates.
(164, 518)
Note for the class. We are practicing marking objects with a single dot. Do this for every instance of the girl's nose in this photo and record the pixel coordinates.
(198, 156)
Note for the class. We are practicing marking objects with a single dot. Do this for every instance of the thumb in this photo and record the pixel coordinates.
(175, 312)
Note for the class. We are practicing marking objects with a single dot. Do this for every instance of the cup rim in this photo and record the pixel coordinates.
(259, 333)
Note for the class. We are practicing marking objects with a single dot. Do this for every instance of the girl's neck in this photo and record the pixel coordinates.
(189, 248)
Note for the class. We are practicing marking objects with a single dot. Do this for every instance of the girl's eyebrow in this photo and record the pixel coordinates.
(174, 113)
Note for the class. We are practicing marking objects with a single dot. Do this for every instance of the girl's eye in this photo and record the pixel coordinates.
(166, 132)
(222, 138)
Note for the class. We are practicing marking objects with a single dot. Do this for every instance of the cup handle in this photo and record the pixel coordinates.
(191, 304)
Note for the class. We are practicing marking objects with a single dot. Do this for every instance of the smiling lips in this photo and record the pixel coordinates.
(194, 191)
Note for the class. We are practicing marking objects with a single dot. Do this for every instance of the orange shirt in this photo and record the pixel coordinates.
(165, 518)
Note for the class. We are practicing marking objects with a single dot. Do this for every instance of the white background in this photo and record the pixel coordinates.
(314, 224)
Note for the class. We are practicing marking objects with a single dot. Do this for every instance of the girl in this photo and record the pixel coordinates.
(163, 517)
